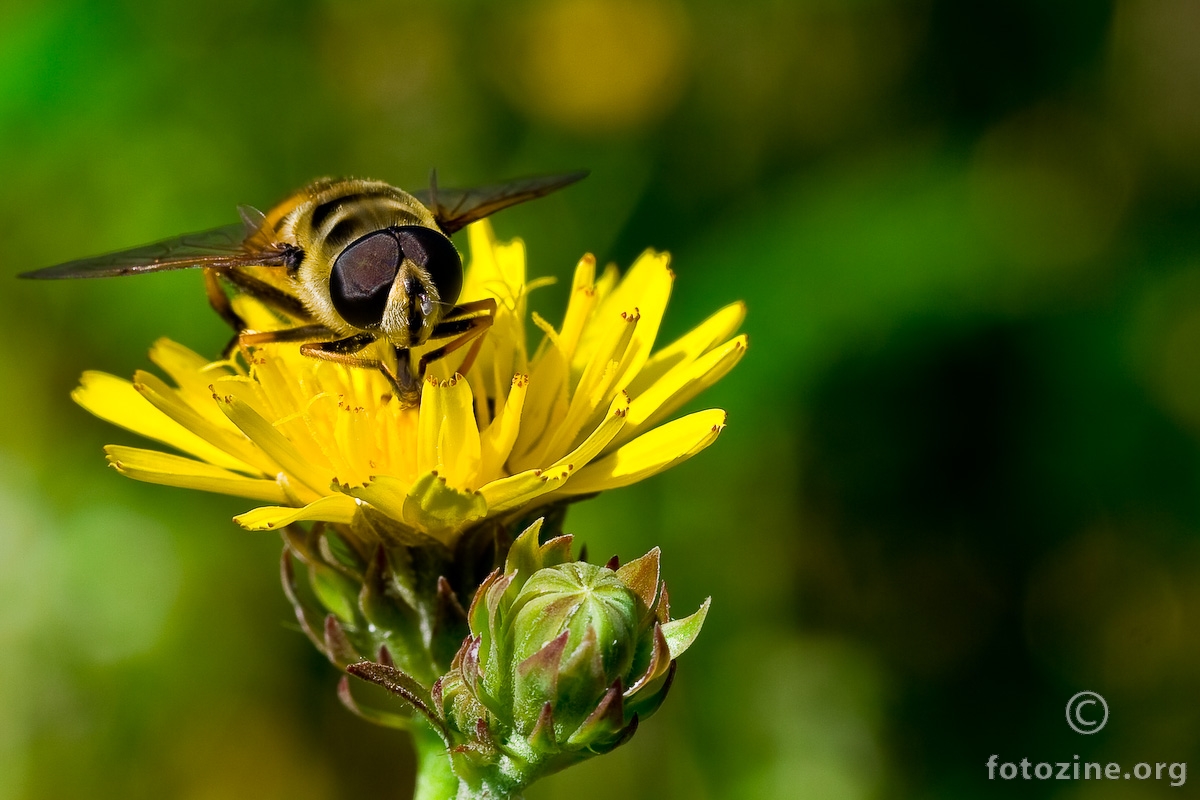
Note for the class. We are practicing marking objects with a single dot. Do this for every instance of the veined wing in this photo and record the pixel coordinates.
(454, 209)
(237, 245)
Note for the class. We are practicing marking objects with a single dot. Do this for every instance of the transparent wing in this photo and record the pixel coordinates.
(454, 209)
(237, 245)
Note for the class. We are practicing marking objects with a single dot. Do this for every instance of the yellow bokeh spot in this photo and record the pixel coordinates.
(595, 65)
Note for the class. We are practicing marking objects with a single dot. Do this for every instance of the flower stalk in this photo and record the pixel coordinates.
(435, 777)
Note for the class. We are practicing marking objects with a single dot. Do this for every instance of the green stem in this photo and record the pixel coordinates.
(435, 779)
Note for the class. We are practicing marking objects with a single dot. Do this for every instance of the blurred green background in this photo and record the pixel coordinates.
(960, 478)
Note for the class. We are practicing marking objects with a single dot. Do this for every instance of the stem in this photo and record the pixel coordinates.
(435, 779)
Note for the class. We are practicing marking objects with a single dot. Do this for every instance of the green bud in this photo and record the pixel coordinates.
(574, 634)
(571, 598)
(563, 660)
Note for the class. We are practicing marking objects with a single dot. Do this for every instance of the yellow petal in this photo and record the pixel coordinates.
(346, 435)
(496, 271)
(524, 487)
(596, 389)
(579, 306)
(386, 493)
(599, 438)
(448, 436)
(644, 290)
(278, 391)
(607, 281)
(246, 389)
(496, 442)
(690, 346)
(597, 374)
(193, 375)
(397, 442)
(650, 453)
(546, 404)
(277, 447)
(314, 434)
(335, 508)
(459, 440)
(181, 363)
(517, 490)
(505, 344)
(482, 268)
(238, 452)
(117, 401)
(510, 261)
(649, 285)
(680, 385)
(169, 470)
(429, 426)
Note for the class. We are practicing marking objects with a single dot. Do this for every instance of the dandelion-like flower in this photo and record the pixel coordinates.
(413, 508)
(320, 441)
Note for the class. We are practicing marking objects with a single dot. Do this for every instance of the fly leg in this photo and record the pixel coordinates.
(220, 303)
(269, 295)
(465, 329)
(305, 333)
(408, 385)
(343, 351)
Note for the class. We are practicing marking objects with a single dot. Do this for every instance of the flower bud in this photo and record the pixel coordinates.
(563, 659)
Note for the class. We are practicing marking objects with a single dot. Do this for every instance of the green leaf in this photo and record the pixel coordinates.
(402, 685)
(382, 602)
(525, 554)
(341, 551)
(336, 592)
(388, 719)
(680, 633)
(641, 575)
(338, 646)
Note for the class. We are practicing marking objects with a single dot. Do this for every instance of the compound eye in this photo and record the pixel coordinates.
(433, 251)
(362, 278)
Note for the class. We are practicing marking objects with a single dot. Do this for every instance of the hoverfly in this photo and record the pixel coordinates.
(354, 261)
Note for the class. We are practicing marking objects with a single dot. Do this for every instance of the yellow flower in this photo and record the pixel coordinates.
(319, 441)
